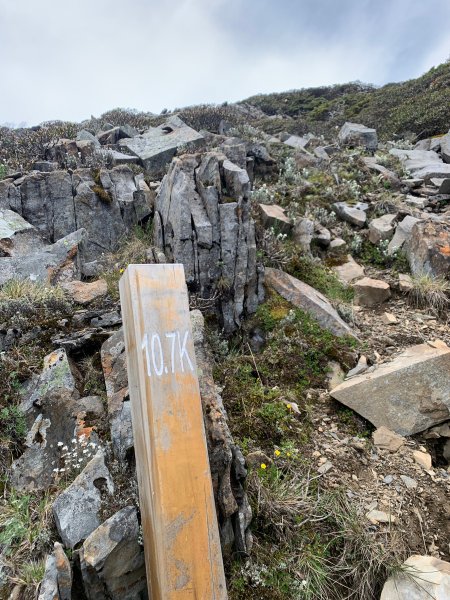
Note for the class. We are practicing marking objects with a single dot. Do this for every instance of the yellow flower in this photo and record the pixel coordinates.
(288, 454)
(289, 406)
(263, 466)
(277, 453)
(121, 270)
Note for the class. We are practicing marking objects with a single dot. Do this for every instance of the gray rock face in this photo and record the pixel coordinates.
(422, 164)
(55, 263)
(119, 408)
(445, 147)
(156, 148)
(420, 578)
(57, 582)
(354, 134)
(303, 234)
(202, 220)
(49, 409)
(428, 249)
(408, 395)
(355, 216)
(112, 561)
(402, 233)
(227, 464)
(59, 203)
(308, 299)
(76, 510)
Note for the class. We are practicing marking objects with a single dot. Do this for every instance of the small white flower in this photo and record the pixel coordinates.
(60, 444)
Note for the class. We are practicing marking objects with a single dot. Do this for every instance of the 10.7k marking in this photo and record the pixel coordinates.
(154, 354)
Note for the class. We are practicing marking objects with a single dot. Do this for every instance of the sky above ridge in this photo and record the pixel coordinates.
(73, 58)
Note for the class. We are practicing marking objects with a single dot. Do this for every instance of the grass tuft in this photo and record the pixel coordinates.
(430, 292)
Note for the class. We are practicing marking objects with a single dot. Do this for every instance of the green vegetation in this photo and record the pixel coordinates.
(319, 277)
(3, 171)
(377, 255)
(311, 543)
(259, 389)
(25, 304)
(420, 106)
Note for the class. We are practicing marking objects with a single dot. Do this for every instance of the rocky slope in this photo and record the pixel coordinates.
(318, 271)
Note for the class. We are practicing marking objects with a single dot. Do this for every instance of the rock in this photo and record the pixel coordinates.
(85, 293)
(349, 271)
(379, 516)
(91, 405)
(428, 249)
(48, 406)
(308, 299)
(257, 458)
(354, 134)
(445, 147)
(321, 153)
(416, 202)
(382, 228)
(386, 439)
(113, 135)
(387, 174)
(295, 141)
(351, 215)
(303, 234)
(443, 185)
(112, 560)
(327, 466)
(446, 451)
(412, 184)
(77, 509)
(335, 375)
(57, 582)
(227, 464)
(422, 164)
(321, 236)
(405, 283)
(360, 367)
(423, 459)
(56, 263)
(203, 221)
(119, 158)
(338, 247)
(156, 148)
(419, 578)
(389, 319)
(370, 292)
(409, 482)
(407, 395)
(87, 136)
(119, 408)
(274, 216)
(59, 203)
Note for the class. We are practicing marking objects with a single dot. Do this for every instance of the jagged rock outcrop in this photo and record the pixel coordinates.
(112, 561)
(354, 134)
(228, 468)
(57, 582)
(203, 220)
(428, 248)
(106, 203)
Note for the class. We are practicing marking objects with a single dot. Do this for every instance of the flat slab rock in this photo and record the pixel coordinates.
(274, 216)
(308, 299)
(349, 271)
(420, 578)
(408, 395)
(370, 292)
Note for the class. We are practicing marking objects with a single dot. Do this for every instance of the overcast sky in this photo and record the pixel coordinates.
(68, 59)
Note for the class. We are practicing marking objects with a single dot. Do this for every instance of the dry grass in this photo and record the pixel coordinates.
(430, 292)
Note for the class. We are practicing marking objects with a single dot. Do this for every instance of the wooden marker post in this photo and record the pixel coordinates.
(181, 538)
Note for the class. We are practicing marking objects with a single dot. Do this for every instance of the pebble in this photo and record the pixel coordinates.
(409, 482)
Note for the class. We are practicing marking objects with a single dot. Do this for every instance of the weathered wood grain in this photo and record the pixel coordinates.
(181, 539)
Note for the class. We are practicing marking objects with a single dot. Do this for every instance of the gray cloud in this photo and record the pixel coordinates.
(69, 59)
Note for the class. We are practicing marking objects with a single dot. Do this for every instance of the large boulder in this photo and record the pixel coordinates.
(308, 299)
(445, 147)
(17, 236)
(407, 395)
(420, 578)
(428, 248)
(354, 134)
(203, 220)
(54, 263)
(112, 560)
(350, 214)
(77, 509)
(156, 148)
(422, 164)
